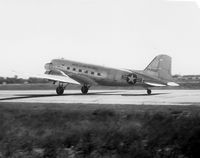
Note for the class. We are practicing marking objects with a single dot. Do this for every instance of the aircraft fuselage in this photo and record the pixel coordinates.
(97, 75)
(156, 74)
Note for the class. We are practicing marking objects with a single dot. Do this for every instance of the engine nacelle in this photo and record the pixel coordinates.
(48, 66)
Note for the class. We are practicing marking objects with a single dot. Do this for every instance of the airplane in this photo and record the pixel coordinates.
(64, 72)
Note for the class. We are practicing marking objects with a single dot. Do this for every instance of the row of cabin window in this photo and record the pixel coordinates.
(86, 71)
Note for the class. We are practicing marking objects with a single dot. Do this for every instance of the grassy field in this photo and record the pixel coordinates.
(116, 131)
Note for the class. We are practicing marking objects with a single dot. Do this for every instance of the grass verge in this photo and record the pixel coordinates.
(78, 130)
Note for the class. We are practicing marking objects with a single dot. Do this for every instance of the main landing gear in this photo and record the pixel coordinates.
(60, 90)
(149, 91)
(84, 89)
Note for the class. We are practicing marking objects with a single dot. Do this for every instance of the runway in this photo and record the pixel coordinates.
(136, 97)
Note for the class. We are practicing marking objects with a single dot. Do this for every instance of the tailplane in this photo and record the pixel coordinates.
(160, 67)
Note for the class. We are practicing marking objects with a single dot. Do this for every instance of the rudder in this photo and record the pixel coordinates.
(160, 67)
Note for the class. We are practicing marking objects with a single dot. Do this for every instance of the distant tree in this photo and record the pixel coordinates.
(2, 80)
(36, 80)
(15, 79)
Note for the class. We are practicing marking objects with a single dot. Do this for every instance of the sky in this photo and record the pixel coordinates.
(115, 33)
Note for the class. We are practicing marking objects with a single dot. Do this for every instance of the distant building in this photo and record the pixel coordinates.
(189, 78)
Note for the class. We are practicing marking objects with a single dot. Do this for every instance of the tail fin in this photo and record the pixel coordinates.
(160, 67)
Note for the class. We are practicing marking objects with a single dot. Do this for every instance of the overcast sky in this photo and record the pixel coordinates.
(116, 33)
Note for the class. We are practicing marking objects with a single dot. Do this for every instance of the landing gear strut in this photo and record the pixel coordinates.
(149, 91)
(84, 89)
(61, 88)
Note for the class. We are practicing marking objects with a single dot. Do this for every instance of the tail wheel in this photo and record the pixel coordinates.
(149, 91)
(84, 89)
(59, 90)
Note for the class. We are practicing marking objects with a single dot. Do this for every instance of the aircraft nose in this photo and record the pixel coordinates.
(48, 66)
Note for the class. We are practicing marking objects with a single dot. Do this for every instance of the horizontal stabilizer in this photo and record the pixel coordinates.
(155, 84)
(172, 84)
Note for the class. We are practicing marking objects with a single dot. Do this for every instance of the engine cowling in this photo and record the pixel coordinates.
(48, 66)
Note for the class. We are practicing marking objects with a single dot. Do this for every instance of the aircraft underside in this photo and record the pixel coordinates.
(85, 88)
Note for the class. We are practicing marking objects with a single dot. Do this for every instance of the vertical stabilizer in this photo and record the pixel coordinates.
(160, 67)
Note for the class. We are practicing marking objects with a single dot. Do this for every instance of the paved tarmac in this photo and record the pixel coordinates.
(158, 97)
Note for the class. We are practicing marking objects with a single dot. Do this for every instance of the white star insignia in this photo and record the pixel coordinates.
(131, 79)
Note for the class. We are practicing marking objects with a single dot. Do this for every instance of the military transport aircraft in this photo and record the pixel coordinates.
(64, 72)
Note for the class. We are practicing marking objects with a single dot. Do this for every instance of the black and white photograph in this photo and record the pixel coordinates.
(99, 78)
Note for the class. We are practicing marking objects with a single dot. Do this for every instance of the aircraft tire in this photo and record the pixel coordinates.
(149, 91)
(84, 89)
(60, 90)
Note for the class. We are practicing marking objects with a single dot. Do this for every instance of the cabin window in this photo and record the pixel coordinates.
(86, 71)
(92, 73)
(74, 69)
(68, 68)
(80, 70)
(99, 74)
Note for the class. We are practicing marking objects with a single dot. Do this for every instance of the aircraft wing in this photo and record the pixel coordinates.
(72, 78)
(65, 78)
